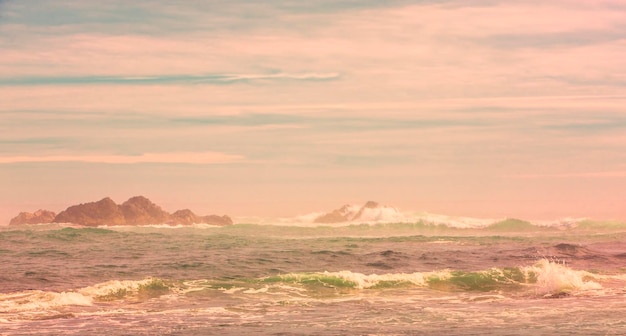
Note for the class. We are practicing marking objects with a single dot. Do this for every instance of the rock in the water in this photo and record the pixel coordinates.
(336, 216)
(183, 217)
(216, 220)
(38, 217)
(103, 212)
(137, 210)
(370, 212)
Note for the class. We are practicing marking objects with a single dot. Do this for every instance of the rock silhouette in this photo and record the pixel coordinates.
(137, 210)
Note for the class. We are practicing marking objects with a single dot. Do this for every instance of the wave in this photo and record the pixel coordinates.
(162, 226)
(390, 215)
(37, 300)
(31, 304)
(545, 278)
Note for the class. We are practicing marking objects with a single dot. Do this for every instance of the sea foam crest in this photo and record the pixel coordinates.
(39, 300)
(113, 288)
(545, 277)
(363, 281)
(555, 278)
(382, 214)
(353, 214)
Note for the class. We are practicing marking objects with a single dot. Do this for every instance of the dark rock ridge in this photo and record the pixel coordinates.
(137, 210)
(102, 212)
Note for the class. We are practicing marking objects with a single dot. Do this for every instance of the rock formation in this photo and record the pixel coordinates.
(38, 217)
(216, 220)
(340, 215)
(370, 212)
(186, 217)
(137, 210)
(103, 212)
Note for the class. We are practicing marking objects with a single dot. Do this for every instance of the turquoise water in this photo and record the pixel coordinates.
(511, 278)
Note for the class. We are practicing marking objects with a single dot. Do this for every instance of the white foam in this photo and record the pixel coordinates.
(256, 291)
(383, 214)
(106, 288)
(561, 223)
(554, 277)
(355, 214)
(39, 300)
(371, 280)
(451, 221)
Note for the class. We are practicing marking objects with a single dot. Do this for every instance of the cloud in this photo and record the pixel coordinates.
(178, 157)
(214, 79)
(330, 123)
(542, 40)
(598, 174)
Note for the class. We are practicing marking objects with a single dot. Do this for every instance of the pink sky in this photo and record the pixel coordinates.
(473, 108)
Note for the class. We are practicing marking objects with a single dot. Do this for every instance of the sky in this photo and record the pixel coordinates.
(480, 108)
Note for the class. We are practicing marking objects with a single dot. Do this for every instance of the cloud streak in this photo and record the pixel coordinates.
(599, 174)
(179, 157)
(211, 79)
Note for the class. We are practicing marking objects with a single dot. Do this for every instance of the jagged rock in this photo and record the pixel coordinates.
(369, 212)
(216, 220)
(103, 212)
(38, 217)
(186, 217)
(183, 217)
(368, 205)
(336, 216)
(137, 210)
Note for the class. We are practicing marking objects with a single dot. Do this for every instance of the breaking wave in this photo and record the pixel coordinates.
(34, 303)
(544, 278)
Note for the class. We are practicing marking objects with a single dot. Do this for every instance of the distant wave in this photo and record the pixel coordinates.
(424, 221)
(388, 215)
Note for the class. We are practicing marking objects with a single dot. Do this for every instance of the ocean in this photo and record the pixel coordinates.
(421, 278)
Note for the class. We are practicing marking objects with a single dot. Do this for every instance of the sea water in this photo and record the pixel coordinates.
(509, 278)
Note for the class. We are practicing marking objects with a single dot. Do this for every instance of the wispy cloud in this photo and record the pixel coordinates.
(214, 79)
(329, 123)
(574, 38)
(598, 174)
(178, 157)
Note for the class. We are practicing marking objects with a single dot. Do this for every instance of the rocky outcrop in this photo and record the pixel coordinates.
(183, 217)
(137, 210)
(370, 212)
(103, 212)
(216, 220)
(336, 216)
(186, 217)
(38, 217)
(368, 205)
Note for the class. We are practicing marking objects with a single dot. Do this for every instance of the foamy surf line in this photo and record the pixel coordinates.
(545, 278)
(30, 303)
